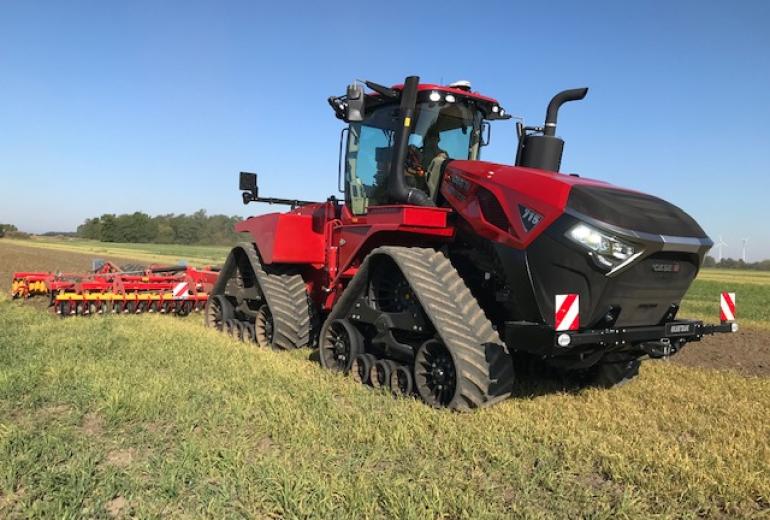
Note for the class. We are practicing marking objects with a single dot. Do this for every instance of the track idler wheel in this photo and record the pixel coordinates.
(401, 381)
(362, 368)
(435, 374)
(218, 311)
(340, 345)
(263, 327)
(379, 375)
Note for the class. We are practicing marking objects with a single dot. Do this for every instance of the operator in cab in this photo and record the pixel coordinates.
(423, 163)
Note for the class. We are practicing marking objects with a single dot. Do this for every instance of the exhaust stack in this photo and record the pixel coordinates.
(543, 150)
(399, 191)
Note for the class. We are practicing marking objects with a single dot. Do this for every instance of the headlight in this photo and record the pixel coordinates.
(609, 251)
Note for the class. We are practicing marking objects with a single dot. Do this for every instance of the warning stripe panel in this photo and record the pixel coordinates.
(727, 306)
(567, 312)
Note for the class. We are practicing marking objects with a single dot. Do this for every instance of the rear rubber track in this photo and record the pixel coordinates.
(283, 289)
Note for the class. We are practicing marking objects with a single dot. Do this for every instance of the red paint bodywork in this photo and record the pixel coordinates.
(543, 191)
(331, 242)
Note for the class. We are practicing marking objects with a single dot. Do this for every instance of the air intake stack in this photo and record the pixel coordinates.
(539, 147)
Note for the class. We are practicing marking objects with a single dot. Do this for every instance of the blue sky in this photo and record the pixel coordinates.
(155, 106)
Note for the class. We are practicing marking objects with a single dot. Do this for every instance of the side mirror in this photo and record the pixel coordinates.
(356, 102)
(248, 185)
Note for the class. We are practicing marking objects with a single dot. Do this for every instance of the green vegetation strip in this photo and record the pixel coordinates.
(752, 301)
(154, 416)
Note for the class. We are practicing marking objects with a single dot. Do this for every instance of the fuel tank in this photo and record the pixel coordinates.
(628, 255)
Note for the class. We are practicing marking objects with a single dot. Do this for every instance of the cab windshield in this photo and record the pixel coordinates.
(440, 131)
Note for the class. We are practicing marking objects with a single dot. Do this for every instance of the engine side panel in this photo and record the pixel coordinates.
(530, 199)
(286, 238)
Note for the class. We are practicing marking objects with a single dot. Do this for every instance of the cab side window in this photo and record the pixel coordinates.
(367, 165)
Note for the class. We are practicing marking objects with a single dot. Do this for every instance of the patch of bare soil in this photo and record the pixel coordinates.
(747, 352)
(93, 425)
(54, 411)
(116, 506)
(121, 458)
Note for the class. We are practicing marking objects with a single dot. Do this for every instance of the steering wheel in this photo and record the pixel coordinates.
(413, 162)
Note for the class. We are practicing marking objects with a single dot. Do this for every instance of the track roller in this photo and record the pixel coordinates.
(263, 327)
(362, 367)
(341, 343)
(249, 333)
(230, 328)
(435, 374)
(379, 374)
(238, 332)
(401, 381)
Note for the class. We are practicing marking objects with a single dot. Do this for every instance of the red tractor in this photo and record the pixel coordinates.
(439, 271)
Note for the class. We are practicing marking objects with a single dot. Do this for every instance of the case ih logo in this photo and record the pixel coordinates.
(666, 268)
(530, 218)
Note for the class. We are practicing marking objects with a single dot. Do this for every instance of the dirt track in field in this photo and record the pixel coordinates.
(746, 352)
(18, 258)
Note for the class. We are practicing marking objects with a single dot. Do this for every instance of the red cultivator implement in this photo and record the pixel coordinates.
(110, 289)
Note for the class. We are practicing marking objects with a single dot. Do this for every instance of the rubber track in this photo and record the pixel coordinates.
(284, 290)
(484, 366)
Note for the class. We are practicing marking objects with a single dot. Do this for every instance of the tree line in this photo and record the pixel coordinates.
(731, 263)
(198, 228)
(11, 231)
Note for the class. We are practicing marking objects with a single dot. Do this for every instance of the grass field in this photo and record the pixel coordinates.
(153, 416)
(159, 417)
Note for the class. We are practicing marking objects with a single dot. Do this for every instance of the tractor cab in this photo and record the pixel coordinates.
(445, 123)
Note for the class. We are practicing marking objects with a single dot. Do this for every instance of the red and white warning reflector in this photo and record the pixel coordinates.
(567, 312)
(180, 290)
(727, 306)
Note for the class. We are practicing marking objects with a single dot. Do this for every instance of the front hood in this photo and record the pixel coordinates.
(550, 195)
(633, 211)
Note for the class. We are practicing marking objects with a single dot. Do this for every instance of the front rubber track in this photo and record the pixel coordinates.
(483, 365)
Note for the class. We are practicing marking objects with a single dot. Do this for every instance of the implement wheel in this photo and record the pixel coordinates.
(435, 375)
(341, 343)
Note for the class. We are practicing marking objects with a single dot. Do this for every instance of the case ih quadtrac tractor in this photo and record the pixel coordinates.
(439, 271)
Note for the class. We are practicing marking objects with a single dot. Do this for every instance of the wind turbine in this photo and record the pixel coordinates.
(745, 243)
(719, 245)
